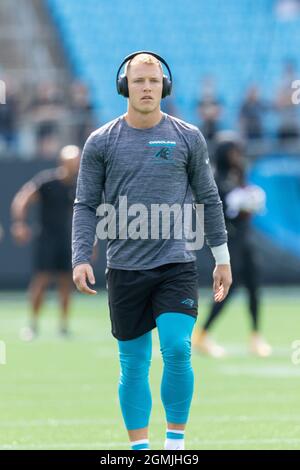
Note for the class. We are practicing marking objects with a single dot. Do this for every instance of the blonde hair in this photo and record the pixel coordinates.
(143, 59)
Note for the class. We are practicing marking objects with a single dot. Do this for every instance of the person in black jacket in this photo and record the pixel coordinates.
(240, 201)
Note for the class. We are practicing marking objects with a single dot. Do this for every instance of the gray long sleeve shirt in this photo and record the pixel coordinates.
(164, 164)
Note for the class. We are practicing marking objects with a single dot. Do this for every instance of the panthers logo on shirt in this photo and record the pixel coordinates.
(165, 152)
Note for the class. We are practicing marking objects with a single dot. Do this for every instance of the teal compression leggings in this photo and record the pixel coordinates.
(175, 330)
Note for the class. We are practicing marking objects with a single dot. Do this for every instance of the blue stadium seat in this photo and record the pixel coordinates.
(230, 40)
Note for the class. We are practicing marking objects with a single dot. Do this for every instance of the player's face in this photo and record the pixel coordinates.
(145, 87)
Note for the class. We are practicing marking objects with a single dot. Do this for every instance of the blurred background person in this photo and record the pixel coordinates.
(81, 110)
(55, 191)
(46, 111)
(209, 109)
(251, 116)
(240, 202)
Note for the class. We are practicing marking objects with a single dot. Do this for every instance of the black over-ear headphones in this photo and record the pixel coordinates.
(122, 83)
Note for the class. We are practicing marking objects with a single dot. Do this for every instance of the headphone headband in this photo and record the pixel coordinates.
(131, 56)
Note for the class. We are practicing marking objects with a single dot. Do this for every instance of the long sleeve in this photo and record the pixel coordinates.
(205, 192)
(90, 185)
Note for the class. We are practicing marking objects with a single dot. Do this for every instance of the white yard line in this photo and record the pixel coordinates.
(117, 445)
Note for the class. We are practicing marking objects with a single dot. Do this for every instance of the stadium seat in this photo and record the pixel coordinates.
(230, 40)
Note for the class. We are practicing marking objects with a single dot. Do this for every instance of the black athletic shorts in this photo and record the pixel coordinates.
(137, 298)
(52, 253)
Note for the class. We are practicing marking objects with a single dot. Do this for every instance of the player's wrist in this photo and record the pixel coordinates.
(221, 254)
(81, 263)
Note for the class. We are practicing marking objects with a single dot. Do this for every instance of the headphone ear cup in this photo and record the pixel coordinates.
(123, 86)
(167, 86)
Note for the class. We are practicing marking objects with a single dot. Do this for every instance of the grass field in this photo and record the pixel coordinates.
(62, 394)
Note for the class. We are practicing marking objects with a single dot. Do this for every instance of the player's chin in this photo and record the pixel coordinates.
(148, 106)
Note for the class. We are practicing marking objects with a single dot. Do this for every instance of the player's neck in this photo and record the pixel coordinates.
(143, 121)
(65, 176)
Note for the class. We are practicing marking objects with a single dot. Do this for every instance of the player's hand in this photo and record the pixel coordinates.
(21, 232)
(222, 281)
(81, 274)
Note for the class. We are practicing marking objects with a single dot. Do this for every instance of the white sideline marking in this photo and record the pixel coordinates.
(117, 445)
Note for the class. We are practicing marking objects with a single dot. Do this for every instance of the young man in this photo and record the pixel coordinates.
(55, 191)
(151, 158)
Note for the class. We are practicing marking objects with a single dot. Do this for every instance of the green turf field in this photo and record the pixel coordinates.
(62, 394)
